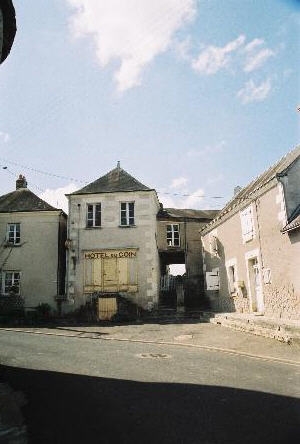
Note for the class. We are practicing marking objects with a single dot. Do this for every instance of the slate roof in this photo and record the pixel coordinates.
(294, 221)
(23, 200)
(257, 185)
(112, 182)
(178, 213)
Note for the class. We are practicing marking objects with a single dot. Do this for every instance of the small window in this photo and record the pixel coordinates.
(93, 215)
(173, 237)
(127, 213)
(232, 278)
(247, 223)
(10, 282)
(13, 234)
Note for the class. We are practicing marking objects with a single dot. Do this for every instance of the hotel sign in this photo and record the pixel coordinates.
(110, 254)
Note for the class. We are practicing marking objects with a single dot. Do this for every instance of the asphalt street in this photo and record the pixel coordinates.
(96, 391)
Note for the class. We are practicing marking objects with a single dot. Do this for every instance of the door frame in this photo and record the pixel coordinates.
(256, 298)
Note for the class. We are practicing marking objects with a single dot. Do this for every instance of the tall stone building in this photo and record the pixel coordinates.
(112, 241)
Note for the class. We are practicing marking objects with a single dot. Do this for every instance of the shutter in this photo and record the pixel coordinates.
(97, 273)
(212, 280)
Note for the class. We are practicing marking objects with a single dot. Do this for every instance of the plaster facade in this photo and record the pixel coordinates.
(260, 274)
(136, 245)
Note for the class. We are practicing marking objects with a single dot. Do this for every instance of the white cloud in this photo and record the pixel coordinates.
(255, 61)
(56, 197)
(254, 93)
(179, 182)
(253, 44)
(213, 58)
(4, 136)
(183, 48)
(132, 32)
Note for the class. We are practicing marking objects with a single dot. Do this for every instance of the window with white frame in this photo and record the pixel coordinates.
(126, 213)
(13, 234)
(247, 223)
(93, 218)
(173, 236)
(10, 282)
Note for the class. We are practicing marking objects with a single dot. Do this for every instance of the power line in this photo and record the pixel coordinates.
(47, 173)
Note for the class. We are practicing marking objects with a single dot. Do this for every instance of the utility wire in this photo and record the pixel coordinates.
(47, 173)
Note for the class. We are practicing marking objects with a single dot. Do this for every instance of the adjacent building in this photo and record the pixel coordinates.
(32, 250)
(251, 250)
(179, 242)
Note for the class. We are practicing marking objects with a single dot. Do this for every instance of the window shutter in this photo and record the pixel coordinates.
(212, 280)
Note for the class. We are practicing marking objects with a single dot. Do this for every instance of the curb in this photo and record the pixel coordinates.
(143, 341)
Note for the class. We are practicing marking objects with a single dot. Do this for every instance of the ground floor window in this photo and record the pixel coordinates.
(10, 282)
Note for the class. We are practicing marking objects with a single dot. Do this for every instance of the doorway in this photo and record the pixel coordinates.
(256, 291)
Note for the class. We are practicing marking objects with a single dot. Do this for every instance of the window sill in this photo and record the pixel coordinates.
(11, 245)
(93, 228)
(127, 226)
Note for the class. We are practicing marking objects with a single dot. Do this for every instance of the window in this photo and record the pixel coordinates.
(247, 224)
(173, 238)
(93, 215)
(10, 283)
(127, 213)
(231, 272)
(13, 234)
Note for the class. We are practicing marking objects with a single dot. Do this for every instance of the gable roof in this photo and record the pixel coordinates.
(256, 187)
(23, 200)
(178, 213)
(112, 182)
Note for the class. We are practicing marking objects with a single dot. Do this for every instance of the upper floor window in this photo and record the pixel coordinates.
(10, 282)
(127, 213)
(173, 237)
(93, 215)
(13, 235)
(247, 223)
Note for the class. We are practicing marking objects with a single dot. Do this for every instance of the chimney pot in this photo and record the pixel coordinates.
(21, 182)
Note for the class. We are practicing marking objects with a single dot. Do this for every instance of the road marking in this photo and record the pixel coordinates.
(145, 341)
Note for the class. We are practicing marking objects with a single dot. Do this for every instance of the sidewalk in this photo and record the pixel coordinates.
(282, 330)
(12, 427)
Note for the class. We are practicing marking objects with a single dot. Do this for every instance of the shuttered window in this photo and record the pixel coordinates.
(247, 224)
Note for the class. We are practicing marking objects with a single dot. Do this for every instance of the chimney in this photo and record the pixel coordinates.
(21, 182)
(236, 190)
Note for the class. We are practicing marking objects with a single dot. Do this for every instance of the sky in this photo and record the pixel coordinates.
(193, 97)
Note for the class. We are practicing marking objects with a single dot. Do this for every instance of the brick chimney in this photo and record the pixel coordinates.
(21, 182)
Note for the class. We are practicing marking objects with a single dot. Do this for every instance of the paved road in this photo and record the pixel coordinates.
(95, 391)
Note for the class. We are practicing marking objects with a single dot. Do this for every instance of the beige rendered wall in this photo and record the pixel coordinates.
(37, 256)
(111, 236)
(277, 252)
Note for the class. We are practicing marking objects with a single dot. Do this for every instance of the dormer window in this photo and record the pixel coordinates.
(13, 234)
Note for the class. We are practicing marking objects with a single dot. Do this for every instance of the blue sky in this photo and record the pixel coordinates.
(193, 97)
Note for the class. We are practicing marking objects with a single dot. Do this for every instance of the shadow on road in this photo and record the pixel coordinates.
(67, 408)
